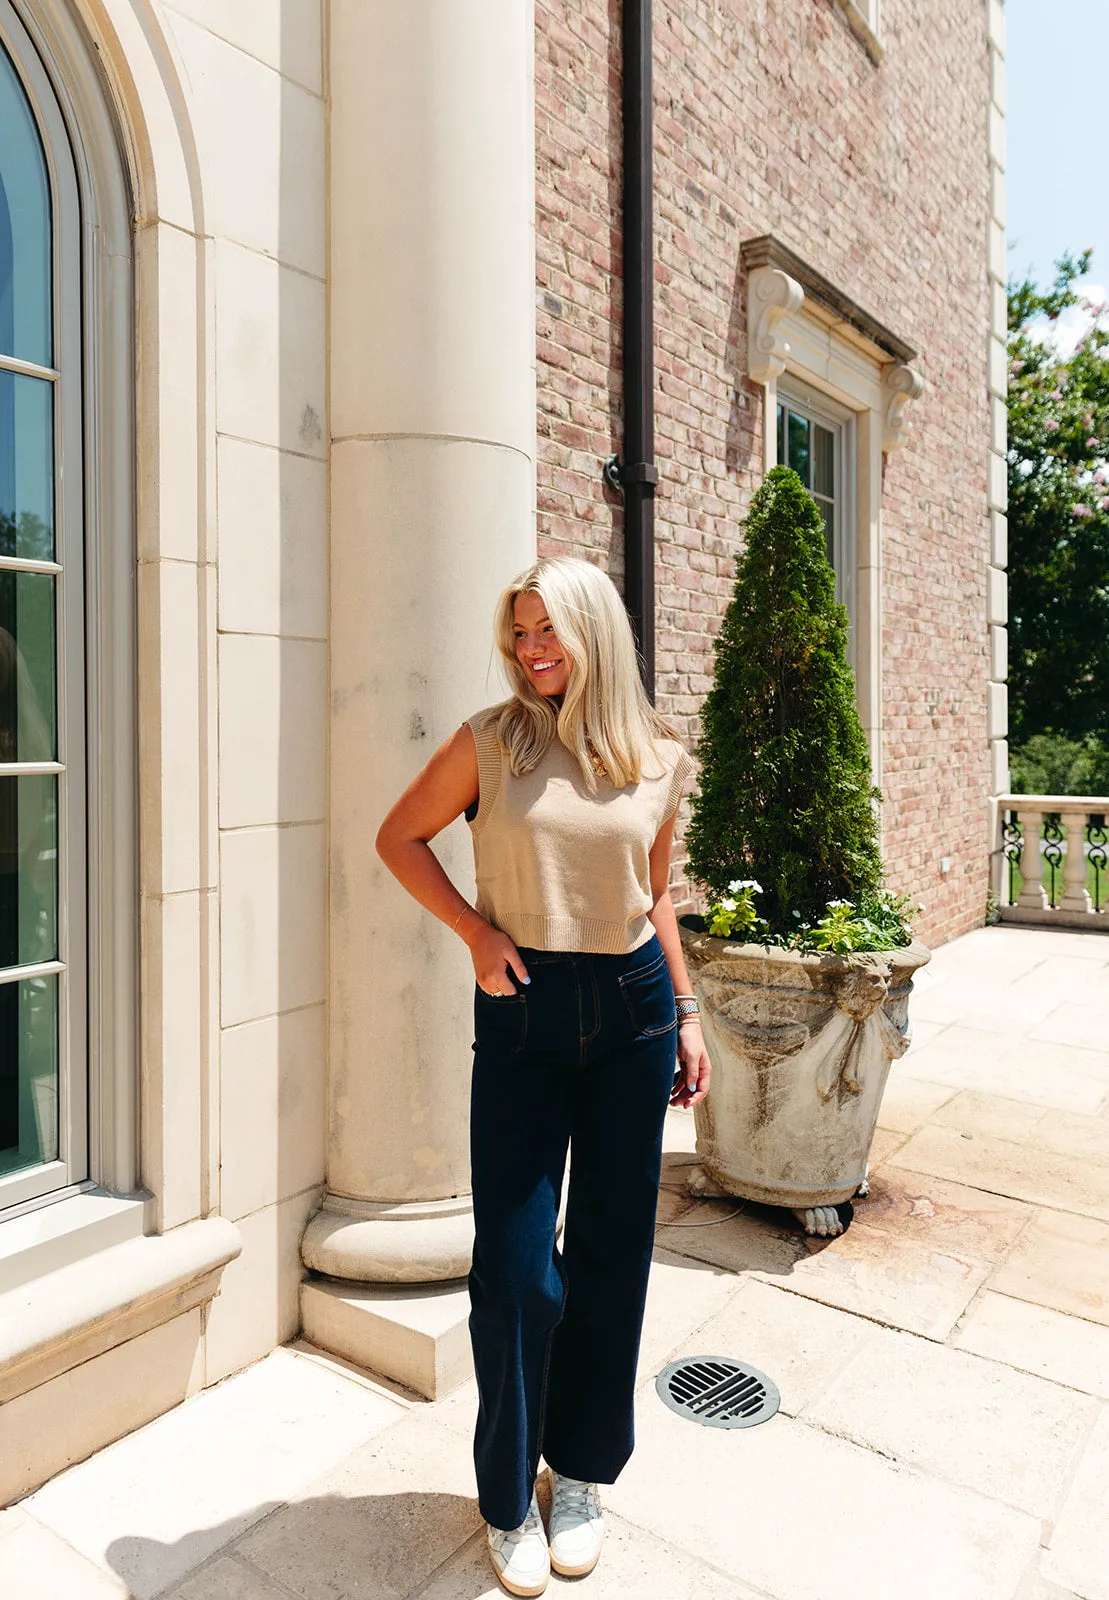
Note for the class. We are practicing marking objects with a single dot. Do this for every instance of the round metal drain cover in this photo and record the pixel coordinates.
(718, 1392)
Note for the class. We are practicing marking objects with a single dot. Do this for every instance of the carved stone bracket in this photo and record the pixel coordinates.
(771, 295)
(900, 385)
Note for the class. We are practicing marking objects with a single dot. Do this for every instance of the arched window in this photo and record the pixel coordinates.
(43, 976)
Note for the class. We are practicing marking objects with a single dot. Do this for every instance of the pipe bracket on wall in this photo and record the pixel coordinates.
(616, 474)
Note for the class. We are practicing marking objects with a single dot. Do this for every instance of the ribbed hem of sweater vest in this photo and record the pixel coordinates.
(583, 935)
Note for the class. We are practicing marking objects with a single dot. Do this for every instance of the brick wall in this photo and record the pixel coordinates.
(771, 118)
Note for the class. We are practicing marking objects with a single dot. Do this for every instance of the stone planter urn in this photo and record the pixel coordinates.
(800, 1046)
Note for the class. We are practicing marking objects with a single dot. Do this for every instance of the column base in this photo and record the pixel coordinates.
(416, 1336)
(423, 1241)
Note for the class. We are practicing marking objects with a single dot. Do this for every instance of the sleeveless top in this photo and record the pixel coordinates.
(559, 868)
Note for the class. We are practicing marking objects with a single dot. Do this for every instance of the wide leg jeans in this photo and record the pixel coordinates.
(582, 1058)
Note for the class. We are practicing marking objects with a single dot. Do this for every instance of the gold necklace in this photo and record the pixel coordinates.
(598, 764)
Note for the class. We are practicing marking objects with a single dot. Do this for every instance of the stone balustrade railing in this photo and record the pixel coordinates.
(1064, 880)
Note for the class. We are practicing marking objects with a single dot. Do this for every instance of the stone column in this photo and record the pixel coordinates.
(432, 398)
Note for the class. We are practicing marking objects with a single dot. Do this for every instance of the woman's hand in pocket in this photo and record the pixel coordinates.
(495, 959)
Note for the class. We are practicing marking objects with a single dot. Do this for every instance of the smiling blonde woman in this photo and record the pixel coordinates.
(585, 1030)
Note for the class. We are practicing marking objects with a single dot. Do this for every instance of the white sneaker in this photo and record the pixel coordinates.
(519, 1555)
(577, 1526)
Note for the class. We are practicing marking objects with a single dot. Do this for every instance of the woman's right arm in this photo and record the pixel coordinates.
(442, 791)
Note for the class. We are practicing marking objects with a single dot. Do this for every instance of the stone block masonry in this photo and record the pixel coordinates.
(773, 118)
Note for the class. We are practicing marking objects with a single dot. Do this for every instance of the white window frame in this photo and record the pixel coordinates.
(71, 1165)
(94, 446)
(806, 401)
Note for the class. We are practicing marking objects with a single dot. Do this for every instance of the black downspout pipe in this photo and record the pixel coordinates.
(638, 473)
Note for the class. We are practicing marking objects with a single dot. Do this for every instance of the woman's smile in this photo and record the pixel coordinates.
(534, 637)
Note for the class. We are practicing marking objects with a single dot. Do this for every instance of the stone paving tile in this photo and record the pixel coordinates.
(633, 1566)
(1039, 1588)
(1078, 1550)
(1063, 1130)
(36, 1565)
(1063, 1262)
(799, 1343)
(458, 1411)
(882, 1146)
(1074, 977)
(1021, 1123)
(228, 1579)
(743, 1238)
(942, 1215)
(807, 1516)
(922, 1032)
(164, 1499)
(1083, 1025)
(681, 1295)
(1070, 1181)
(1055, 1075)
(1066, 1349)
(909, 1103)
(970, 1111)
(1011, 1436)
(947, 1001)
(408, 1497)
(890, 1279)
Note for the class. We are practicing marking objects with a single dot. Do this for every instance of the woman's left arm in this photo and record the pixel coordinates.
(696, 1069)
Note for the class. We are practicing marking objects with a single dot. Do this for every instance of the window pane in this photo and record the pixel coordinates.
(824, 461)
(28, 870)
(28, 1073)
(27, 673)
(26, 467)
(25, 285)
(782, 455)
(799, 447)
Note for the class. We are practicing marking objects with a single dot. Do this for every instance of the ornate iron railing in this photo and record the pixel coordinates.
(1065, 879)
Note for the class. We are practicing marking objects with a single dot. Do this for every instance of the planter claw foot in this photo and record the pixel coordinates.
(702, 1187)
(823, 1220)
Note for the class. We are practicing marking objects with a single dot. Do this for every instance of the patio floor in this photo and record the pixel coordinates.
(944, 1369)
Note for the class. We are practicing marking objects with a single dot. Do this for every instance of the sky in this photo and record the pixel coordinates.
(1057, 134)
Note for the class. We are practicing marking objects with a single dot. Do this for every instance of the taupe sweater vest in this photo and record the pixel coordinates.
(559, 868)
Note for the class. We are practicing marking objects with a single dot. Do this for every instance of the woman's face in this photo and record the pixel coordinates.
(538, 651)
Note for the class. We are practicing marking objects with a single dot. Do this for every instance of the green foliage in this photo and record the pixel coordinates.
(878, 921)
(1058, 516)
(785, 788)
(1048, 763)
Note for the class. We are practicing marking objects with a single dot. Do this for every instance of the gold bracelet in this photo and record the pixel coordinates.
(458, 919)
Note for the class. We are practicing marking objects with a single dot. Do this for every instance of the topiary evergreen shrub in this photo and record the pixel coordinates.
(786, 797)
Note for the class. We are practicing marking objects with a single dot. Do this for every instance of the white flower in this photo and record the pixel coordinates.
(738, 884)
(795, 913)
(834, 904)
(727, 905)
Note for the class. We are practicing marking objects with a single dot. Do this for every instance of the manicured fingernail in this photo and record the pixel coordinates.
(527, 980)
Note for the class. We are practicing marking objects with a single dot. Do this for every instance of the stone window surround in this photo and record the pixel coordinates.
(108, 1259)
(800, 326)
(864, 17)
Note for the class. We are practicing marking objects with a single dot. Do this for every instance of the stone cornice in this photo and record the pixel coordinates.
(767, 251)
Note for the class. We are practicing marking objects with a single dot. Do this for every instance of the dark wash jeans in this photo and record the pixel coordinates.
(583, 1056)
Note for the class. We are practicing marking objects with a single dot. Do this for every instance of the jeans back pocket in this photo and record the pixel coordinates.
(649, 997)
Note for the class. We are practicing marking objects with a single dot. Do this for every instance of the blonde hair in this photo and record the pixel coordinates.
(605, 710)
